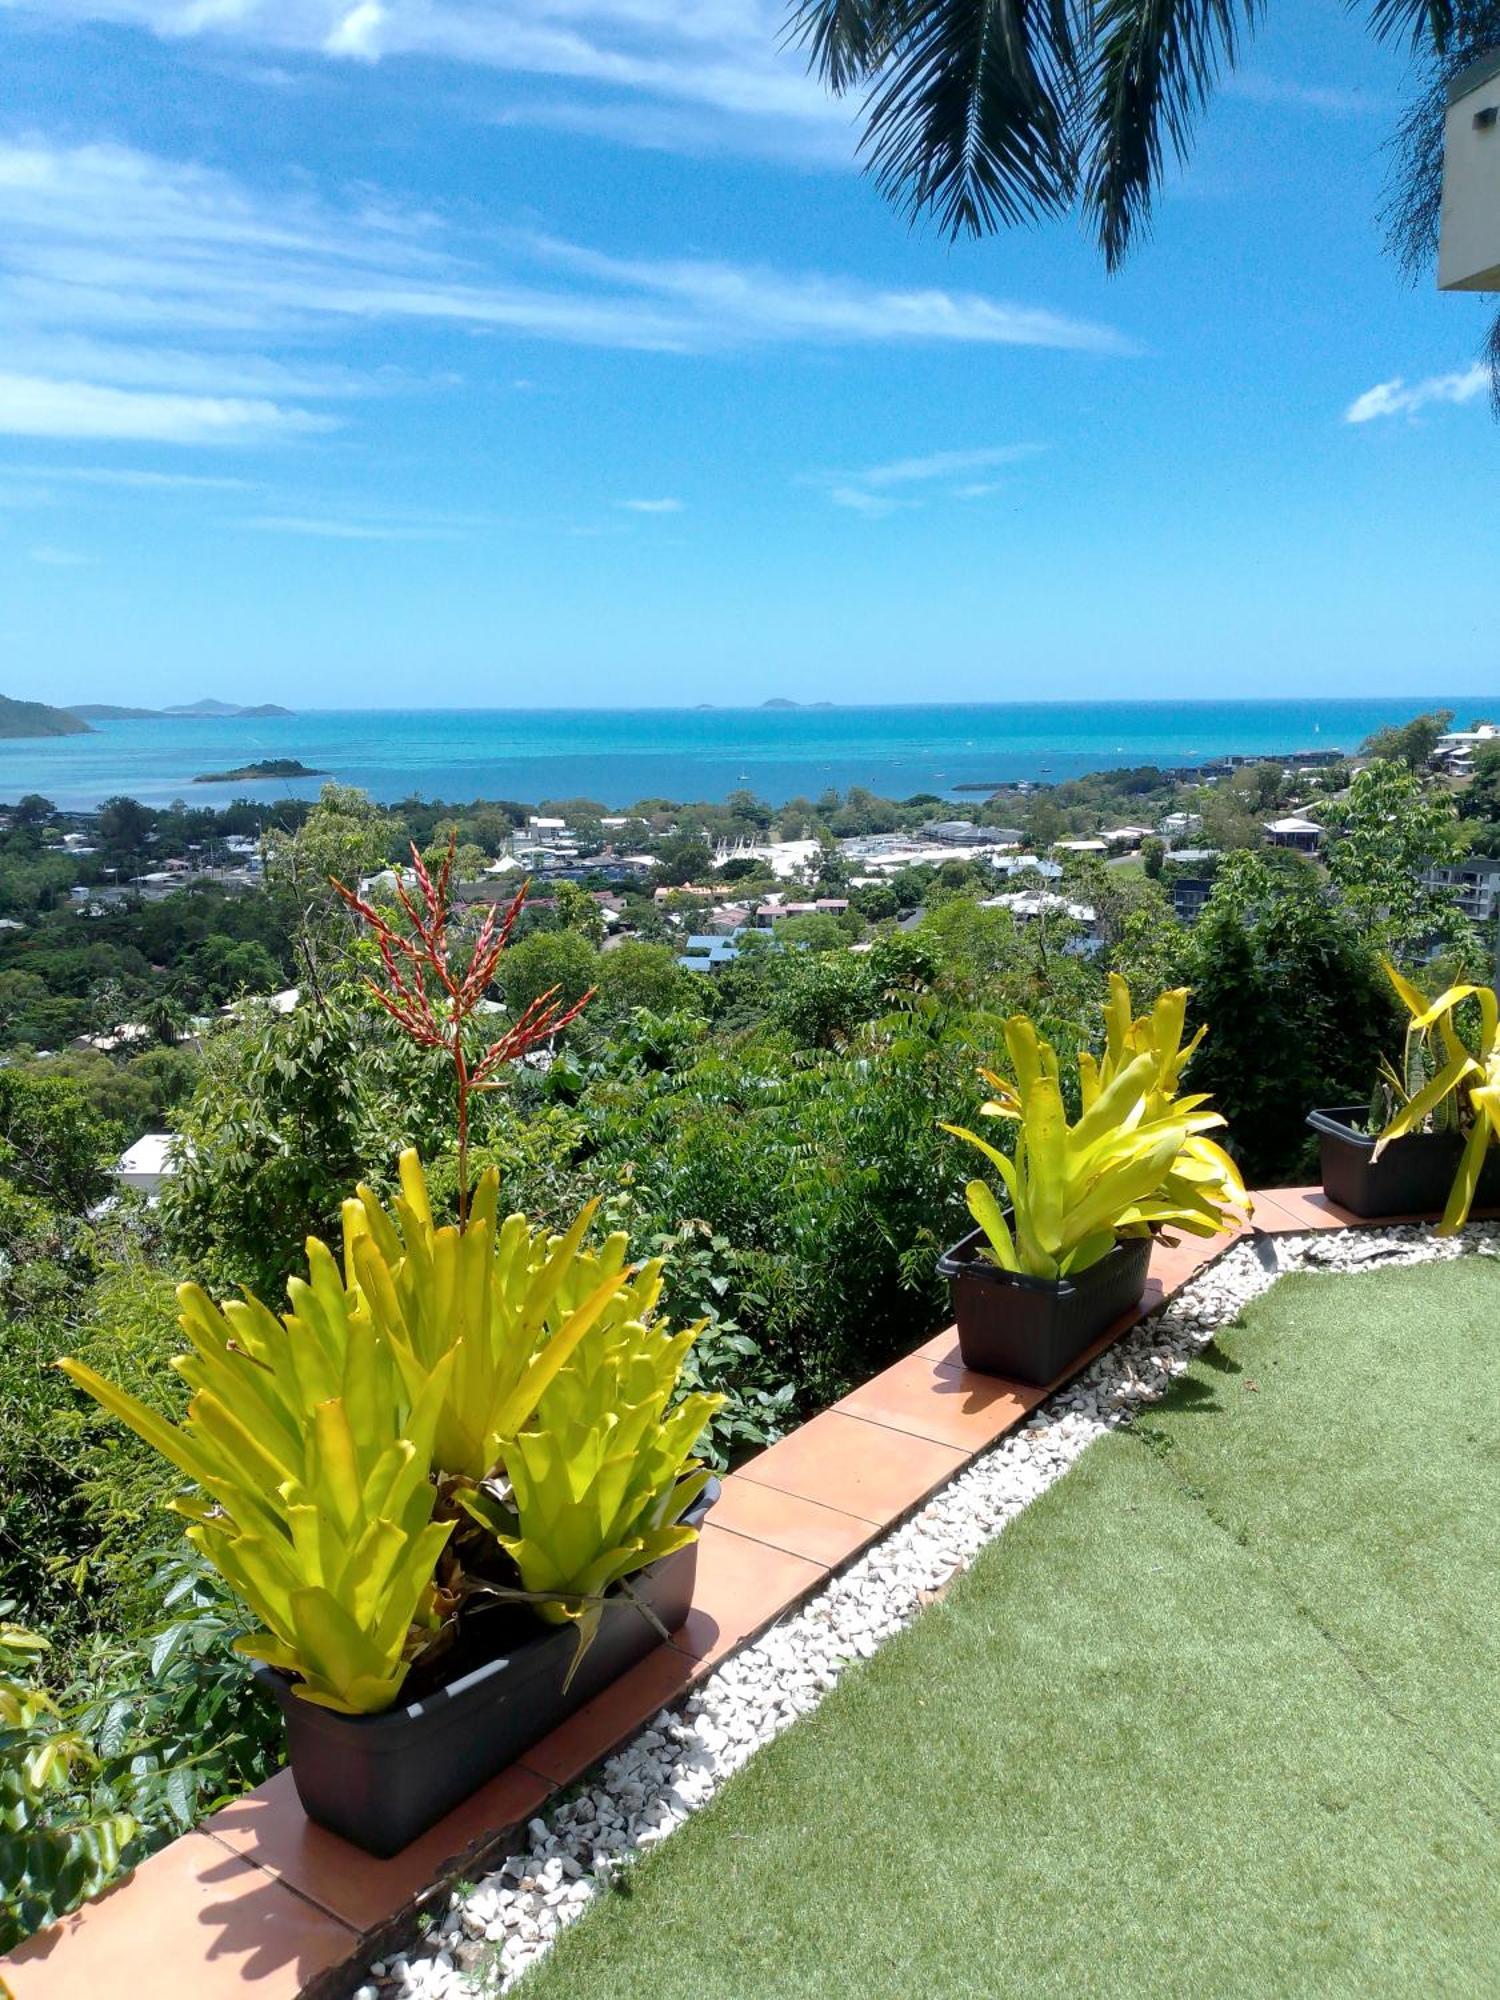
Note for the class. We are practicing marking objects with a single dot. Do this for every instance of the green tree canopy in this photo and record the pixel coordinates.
(546, 960)
(53, 1145)
(1298, 1010)
(1410, 743)
(1386, 833)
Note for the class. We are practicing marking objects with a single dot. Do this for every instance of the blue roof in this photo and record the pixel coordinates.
(705, 952)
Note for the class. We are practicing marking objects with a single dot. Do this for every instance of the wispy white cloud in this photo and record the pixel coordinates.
(759, 303)
(946, 464)
(51, 557)
(321, 528)
(723, 55)
(34, 406)
(1400, 398)
(873, 505)
(132, 478)
(162, 300)
(348, 518)
(951, 473)
(696, 131)
(1332, 100)
(652, 506)
(358, 32)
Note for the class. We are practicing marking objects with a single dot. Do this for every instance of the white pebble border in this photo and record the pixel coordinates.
(493, 1930)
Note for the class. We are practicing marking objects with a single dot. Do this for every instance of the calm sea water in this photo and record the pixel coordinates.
(619, 756)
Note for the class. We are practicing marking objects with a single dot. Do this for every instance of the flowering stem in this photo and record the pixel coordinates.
(418, 965)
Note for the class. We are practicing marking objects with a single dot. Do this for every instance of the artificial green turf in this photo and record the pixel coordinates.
(1214, 1717)
(1351, 1441)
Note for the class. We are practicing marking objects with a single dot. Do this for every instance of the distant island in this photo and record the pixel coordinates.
(210, 711)
(781, 701)
(35, 718)
(268, 767)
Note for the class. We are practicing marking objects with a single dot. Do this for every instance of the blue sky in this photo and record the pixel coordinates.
(493, 352)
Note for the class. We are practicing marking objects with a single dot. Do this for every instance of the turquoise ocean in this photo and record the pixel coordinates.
(620, 756)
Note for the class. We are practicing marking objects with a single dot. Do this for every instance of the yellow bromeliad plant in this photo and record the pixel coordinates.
(1135, 1160)
(601, 1479)
(555, 1423)
(509, 1303)
(1454, 1087)
(329, 1446)
(322, 1441)
(314, 1499)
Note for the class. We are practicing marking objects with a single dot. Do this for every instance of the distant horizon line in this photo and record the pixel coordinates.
(784, 705)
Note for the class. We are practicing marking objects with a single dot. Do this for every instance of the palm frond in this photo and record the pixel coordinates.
(1155, 66)
(843, 38)
(983, 113)
(1424, 24)
(971, 106)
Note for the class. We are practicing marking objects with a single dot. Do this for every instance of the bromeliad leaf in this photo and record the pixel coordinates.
(1136, 1158)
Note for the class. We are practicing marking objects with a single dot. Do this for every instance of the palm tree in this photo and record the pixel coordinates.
(982, 114)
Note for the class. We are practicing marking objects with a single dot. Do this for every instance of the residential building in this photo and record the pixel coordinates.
(1454, 753)
(126, 1035)
(147, 1164)
(1012, 865)
(1304, 836)
(1027, 904)
(1469, 247)
(1189, 894)
(1475, 881)
(665, 895)
(705, 953)
(775, 908)
(967, 833)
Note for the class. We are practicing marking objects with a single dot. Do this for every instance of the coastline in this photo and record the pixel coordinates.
(620, 756)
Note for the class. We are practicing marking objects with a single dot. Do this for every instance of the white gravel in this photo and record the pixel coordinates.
(491, 1931)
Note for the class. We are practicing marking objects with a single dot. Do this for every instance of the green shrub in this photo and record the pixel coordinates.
(61, 1834)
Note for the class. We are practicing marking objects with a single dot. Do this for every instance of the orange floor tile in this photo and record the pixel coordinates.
(818, 1534)
(742, 1587)
(192, 1923)
(858, 1467)
(269, 1828)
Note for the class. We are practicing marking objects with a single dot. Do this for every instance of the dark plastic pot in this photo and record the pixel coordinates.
(380, 1780)
(1035, 1329)
(1412, 1176)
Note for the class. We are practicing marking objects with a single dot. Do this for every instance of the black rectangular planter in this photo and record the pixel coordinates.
(380, 1780)
(1412, 1176)
(1034, 1329)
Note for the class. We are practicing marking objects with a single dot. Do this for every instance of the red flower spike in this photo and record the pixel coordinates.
(418, 960)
